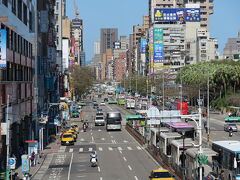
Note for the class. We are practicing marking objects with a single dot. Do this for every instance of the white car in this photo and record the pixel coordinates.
(102, 104)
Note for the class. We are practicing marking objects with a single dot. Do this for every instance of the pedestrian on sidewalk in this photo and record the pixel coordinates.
(32, 159)
(16, 176)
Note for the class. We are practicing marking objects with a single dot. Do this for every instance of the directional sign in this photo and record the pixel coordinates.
(12, 163)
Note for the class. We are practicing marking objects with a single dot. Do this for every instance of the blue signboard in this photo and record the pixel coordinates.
(3, 49)
(25, 164)
(143, 46)
(158, 51)
(173, 14)
(192, 14)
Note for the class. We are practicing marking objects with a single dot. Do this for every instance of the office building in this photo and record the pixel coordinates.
(232, 48)
(97, 47)
(107, 38)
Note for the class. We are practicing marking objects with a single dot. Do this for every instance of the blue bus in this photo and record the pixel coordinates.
(228, 159)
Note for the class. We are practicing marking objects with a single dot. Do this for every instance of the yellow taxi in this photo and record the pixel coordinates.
(161, 174)
(73, 133)
(74, 126)
(67, 139)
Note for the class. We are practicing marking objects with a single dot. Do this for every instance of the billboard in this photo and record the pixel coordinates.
(177, 14)
(3, 49)
(171, 14)
(192, 14)
(158, 44)
(143, 46)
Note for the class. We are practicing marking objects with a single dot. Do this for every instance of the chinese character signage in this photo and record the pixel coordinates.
(192, 14)
(158, 45)
(143, 46)
(177, 14)
(3, 49)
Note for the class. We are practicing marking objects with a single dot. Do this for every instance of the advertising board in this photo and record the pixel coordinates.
(3, 49)
(192, 14)
(143, 46)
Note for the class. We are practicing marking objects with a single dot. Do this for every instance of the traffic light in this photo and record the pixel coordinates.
(205, 159)
(200, 159)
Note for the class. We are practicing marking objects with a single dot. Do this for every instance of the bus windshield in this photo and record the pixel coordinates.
(113, 121)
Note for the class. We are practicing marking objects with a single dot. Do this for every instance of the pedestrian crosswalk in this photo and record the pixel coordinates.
(90, 149)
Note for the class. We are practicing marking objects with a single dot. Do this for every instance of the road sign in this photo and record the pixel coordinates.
(12, 163)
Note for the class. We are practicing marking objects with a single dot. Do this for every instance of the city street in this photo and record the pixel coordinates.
(120, 157)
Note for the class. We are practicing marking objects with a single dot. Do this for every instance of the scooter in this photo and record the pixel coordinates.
(84, 128)
(230, 133)
(93, 162)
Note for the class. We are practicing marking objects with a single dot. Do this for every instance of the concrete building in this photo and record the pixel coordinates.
(97, 47)
(17, 68)
(66, 28)
(107, 38)
(232, 48)
(119, 67)
(77, 34)
(205, 5)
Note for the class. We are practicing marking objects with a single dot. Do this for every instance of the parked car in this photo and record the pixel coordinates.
(227, 126)
(102, 104)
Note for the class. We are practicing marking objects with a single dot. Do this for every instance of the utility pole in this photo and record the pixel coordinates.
(7, 139)
(208, 112)
(200, 141)
(163, 92)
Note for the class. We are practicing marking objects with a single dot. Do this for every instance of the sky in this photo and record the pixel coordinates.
(123, 14)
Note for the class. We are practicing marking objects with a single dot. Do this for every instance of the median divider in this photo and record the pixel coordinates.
(135, 134)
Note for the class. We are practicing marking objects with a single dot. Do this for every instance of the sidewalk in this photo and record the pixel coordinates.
(51, 148)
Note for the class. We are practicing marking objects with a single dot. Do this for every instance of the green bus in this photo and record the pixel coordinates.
(121, 101)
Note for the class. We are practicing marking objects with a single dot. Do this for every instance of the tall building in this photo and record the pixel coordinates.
(205, 5)
(77, 34)
(232, 48)
(108, 37)
(97, 47)
(17, 67)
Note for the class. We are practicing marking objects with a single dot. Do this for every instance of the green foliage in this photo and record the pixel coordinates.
(82, 79)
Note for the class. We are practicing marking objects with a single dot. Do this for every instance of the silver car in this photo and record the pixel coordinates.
(227, 126)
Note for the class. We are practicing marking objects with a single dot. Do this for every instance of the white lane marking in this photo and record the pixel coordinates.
(100, 148)
(120, 152)
(99, 169)
(81, 176)
(92, 139)
(125, 141)
(81, 139)
(80, 149)
(129, 148)
(130, 167)
(110, 148)
(70, 166)
(90, 149)
(136, 178)
(99, 130)
(111, 136)
(91, 133)
(119, 148)
(139, 148)
(124, 159)
(103, 139)
(101, 178)
(71, 150)
(81, 170)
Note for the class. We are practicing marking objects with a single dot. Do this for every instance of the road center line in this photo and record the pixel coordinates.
(101, 178)
(124, 159)
(92, 139)
(130, 167)
(136, 177)
(99, 169)
(70, 167)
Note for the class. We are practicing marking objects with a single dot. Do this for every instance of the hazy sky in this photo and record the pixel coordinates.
(123, 14)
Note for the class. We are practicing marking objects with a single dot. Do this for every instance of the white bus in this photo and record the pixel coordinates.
(228, 159)
(113, 121)
(130, 103)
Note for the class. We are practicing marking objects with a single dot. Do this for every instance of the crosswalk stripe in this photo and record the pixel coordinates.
(139, 148)
(90, 149)
(129, 148)
(100, 149)
(80, 149)
(81, 139)
(71, 150)
(110, 148)
(119, 148)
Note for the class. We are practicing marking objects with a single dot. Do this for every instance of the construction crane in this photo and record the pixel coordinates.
(75, 8)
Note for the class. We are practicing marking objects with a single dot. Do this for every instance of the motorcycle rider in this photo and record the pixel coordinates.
(93, 155)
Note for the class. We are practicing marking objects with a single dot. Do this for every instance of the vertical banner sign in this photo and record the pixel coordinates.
(25, 164)
(3, 49)
(143, 46)
(158, 50)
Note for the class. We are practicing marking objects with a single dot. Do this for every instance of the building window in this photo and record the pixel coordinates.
(20, 9)
(25, 14)
(5, 2)
(30, 21)
(8, 35)
(14, 6)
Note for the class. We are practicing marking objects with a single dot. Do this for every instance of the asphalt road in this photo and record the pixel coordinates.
(120, 157)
